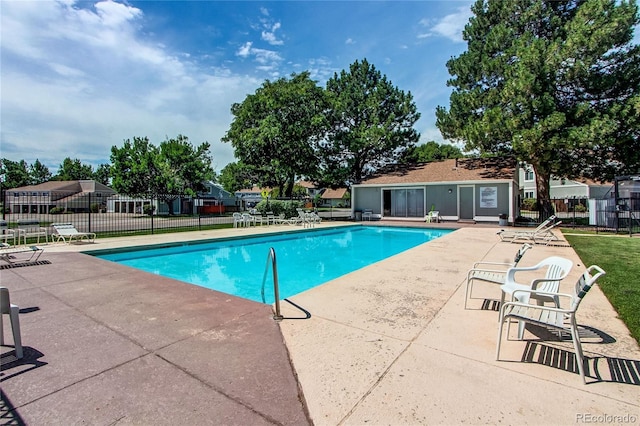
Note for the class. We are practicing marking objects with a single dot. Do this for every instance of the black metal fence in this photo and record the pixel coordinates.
(573, 212)
(114, 215)
(603, 215)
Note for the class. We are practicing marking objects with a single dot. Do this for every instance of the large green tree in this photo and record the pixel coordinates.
(15, 173)
(73, 170)
(173, 169)
(432, 151)
(555, 83)
(274, 130)
(236, 176)
(371, 124)
(39, 172)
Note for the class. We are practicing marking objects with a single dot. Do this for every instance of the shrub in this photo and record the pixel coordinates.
(579, 208)
(148, 209)
(530, 204)
(95, 207)
(56, 210)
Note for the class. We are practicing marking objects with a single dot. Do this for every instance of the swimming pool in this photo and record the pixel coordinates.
(304, 259)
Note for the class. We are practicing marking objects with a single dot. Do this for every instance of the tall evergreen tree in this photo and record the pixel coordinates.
(39, 172)
(371, 124)
(555, 83)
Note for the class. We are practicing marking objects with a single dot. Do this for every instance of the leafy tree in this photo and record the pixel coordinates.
(16, 173)
(73, 170)
(432, 151)
(103, 174)
(237, 176)
(173, 169)
(39, 173)
(274, 130)
(133, 167)
(553, 83)
(371, 125)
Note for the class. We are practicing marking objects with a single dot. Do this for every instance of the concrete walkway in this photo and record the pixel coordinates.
(388, 344)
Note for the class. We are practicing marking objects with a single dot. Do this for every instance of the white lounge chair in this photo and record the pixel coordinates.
(67, 232)
(7, 233)
(539, 232)
(8, 308)
(7, 253)
(557, 268)
(556, 318)
(29, 228)
(491, 272)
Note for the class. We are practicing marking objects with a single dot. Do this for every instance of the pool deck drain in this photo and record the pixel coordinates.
(388, 344)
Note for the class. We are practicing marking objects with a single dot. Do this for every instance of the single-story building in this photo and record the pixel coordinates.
(72, 196)
(470, 189)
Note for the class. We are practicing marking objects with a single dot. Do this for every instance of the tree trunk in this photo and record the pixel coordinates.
(545, 208)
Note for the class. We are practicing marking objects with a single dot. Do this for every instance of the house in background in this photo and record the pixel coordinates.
(562, 188)
(312, 188)
(215, 200)
(248, 198)
(339, 197)
(470, 189)
(72, 196)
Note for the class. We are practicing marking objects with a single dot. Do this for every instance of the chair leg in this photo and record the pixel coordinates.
(577, 346)
(499, 336)
(15, 327)
(467, 292)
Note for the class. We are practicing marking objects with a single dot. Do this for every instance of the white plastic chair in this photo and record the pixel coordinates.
(557, 268)
(491, 272)
(556, 318)
(238, 220)
(433, 216)
(6, 307)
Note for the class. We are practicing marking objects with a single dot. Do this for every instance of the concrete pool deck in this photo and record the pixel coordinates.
(388, 344)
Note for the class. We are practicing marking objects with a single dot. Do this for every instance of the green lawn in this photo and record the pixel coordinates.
(620, 257)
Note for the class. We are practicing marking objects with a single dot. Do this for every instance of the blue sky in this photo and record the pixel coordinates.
(80, 77)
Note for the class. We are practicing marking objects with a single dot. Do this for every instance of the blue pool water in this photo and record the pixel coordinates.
(304, 259)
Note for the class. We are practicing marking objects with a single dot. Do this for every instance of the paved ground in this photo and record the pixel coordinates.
(389, 344)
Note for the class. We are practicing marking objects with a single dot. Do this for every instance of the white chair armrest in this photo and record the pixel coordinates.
(538, 293)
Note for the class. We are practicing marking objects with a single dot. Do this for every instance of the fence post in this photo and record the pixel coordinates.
(153, 201)
(90, 230)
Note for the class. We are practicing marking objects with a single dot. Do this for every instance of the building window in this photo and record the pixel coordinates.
(528, 174)
(403, 202)
(529, 194)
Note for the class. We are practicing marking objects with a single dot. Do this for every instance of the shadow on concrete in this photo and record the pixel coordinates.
(12, 366)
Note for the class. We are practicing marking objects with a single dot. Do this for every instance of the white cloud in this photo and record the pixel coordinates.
(349, 41)
(270, 36)
(77, 80)
(245, 50)
(450, 26)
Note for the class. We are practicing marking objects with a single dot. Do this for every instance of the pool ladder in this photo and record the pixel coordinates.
(271, 259)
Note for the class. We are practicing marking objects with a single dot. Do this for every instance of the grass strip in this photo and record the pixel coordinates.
(620, 257)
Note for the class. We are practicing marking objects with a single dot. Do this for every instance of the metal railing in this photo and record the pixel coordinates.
(110, 215)
(271, 259)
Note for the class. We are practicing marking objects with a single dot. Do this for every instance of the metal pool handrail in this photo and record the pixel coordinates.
(276, 291)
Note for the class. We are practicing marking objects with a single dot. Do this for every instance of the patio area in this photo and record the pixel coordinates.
(387, 344)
